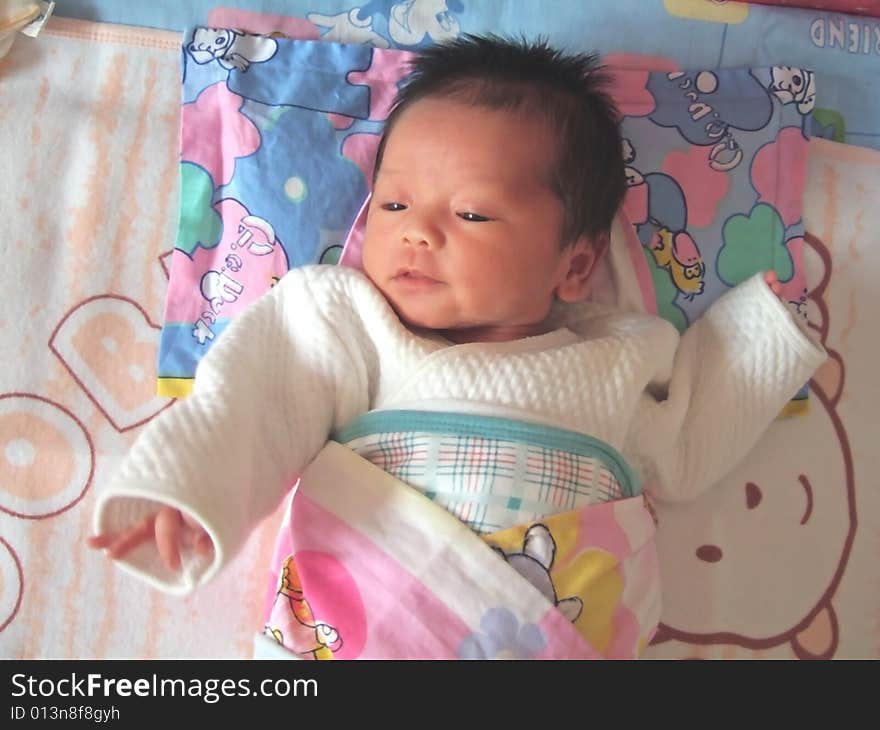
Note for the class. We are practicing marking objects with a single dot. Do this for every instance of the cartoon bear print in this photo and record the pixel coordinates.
(757, 560)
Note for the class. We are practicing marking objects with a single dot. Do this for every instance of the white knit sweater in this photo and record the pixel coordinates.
(324, 346)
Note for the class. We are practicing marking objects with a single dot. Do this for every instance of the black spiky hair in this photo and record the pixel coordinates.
(568, 90)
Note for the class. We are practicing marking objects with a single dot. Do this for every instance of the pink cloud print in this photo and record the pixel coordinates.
(779, 171)
(629, 89)
(214, 132)
(230, 276)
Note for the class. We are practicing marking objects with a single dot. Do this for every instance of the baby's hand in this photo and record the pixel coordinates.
(169, 528)
(773, 282)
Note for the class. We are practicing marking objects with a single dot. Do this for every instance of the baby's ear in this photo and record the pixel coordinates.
(582, 257)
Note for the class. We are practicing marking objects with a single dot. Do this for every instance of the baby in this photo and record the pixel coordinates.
(496, 183)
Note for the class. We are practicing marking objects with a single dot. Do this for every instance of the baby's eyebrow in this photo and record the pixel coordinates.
(386, 170)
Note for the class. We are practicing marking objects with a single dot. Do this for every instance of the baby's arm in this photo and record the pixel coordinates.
(715, 394)
(207, 470)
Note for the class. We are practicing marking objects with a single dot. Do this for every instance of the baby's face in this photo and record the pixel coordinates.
(464, 233)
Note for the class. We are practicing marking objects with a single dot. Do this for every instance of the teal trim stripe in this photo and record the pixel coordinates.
(493, 427)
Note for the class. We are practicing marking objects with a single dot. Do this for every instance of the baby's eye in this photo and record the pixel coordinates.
(473, 217)
(393, 207)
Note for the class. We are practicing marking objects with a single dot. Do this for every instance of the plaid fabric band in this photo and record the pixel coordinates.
(490, 484)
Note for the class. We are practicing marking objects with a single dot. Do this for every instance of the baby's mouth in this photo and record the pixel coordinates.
(414, 277)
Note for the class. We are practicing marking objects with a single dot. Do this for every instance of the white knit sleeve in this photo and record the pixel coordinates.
(263, 404)
(715, 394)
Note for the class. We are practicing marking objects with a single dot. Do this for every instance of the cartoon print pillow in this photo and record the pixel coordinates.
(278, 138)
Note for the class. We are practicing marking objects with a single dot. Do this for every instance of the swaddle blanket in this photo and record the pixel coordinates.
(367, 567)
(491, 473)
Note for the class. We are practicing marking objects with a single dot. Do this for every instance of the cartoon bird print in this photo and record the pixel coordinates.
(678, 254)
(292, 622)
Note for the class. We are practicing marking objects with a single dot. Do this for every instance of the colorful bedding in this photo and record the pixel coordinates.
(855, 7)
(277, 145)
(778, 561)
(842, 49)
(580, 584)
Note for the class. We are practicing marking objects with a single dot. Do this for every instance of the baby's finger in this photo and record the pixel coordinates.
(204, 544)
(773, 282)
(130, 538)
(195, 536)
(101, 541)
(168, 526)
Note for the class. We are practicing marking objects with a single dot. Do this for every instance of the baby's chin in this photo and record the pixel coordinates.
(426, 320)
(418, 315)
(425, 317)
(460, 332)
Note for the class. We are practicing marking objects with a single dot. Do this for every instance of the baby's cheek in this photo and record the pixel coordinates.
(481, 291)
(371, 261)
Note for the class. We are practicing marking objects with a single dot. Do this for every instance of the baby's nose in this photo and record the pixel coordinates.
(422, 232)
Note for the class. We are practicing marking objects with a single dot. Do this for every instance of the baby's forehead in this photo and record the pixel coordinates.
(455, 136)
(514, 111)
(474, 119)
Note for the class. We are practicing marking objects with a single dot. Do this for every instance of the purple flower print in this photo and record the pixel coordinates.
(502, 637)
